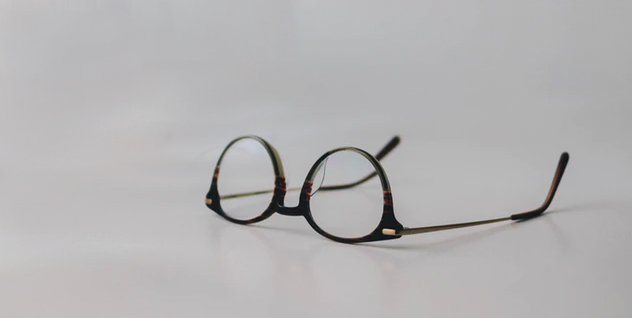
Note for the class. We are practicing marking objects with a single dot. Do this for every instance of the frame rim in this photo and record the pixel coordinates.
(213, 200)
(387, 221)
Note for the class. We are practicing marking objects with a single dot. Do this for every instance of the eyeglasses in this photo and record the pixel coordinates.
(251, 192)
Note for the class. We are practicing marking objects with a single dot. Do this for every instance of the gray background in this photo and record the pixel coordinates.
(112, 114)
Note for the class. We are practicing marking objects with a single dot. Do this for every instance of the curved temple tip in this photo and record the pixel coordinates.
(388, 147)
(561, 167)
(565, 156)
(396, 140)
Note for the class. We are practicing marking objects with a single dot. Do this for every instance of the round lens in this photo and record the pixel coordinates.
(349, 212)
(246, 180)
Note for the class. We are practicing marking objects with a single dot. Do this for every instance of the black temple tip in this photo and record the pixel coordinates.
(389, 147)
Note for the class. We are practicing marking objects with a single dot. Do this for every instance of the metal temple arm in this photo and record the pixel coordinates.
(561, 167)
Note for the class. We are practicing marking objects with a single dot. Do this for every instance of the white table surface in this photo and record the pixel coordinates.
(113, 113)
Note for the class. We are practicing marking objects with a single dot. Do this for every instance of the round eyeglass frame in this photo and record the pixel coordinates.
(388, 220)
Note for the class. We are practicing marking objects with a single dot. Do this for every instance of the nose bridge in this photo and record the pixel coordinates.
(292, 211)
(280, 193)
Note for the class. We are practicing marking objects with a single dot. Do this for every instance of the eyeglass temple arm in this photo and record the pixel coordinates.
(561, 166)
(381, 154)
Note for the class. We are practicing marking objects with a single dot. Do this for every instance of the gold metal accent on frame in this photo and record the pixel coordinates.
(208, 201)
(389, 232)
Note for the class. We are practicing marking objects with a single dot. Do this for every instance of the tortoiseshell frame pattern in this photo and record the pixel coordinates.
(388, 228)
(388, 221)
